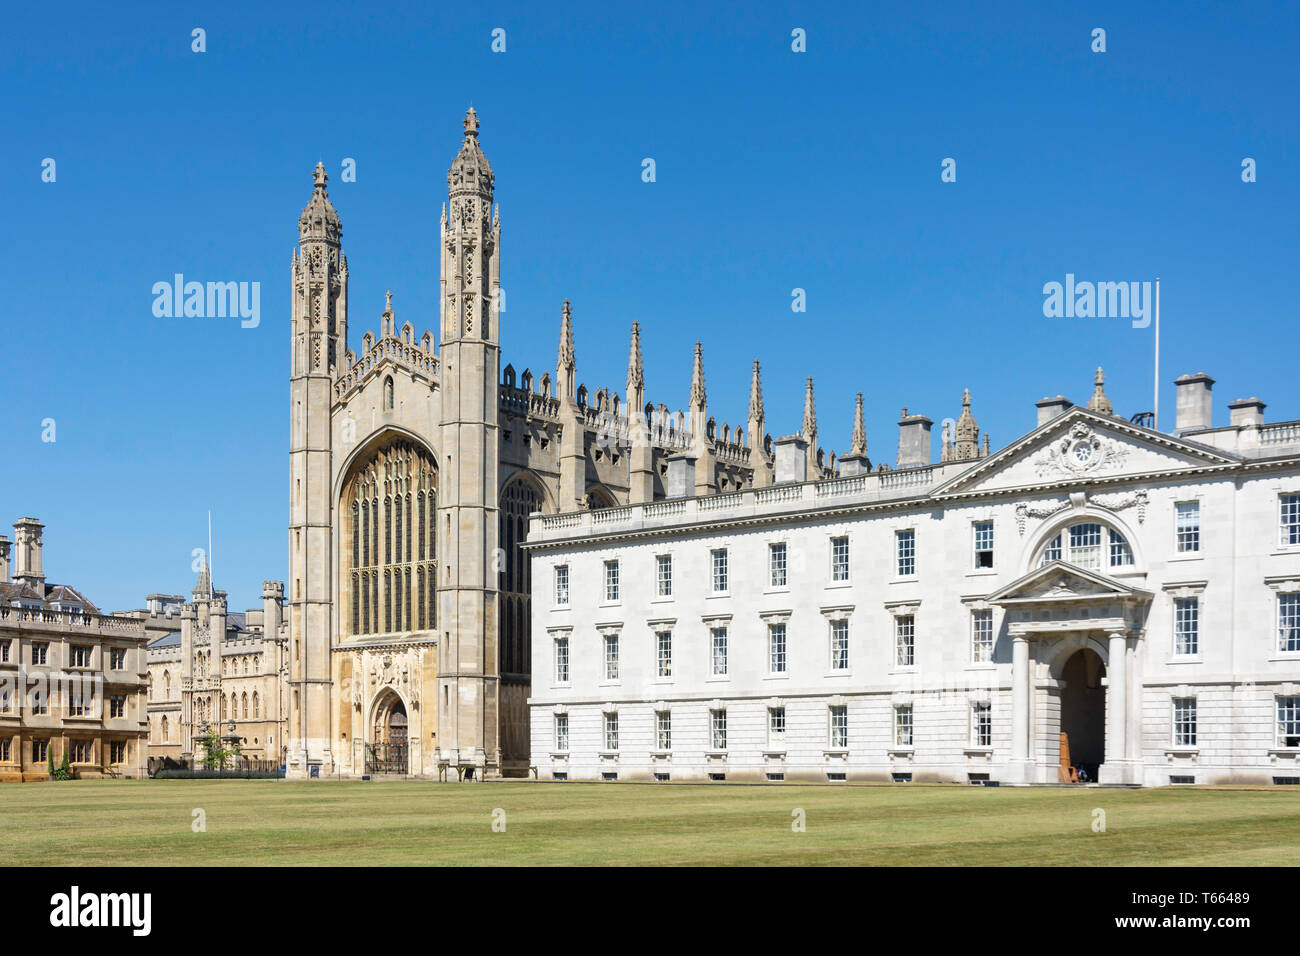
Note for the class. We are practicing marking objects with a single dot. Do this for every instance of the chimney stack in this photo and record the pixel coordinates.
(680, 480)
(1049, 408)
(4, 559)
(272, 607)
(791, 459)
(1194, 403)
(27, 541)
(1246, 413)
(913, 440)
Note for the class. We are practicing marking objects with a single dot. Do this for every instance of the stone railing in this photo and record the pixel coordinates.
(76, 621)
(1282, 433)
(520, 401)
(778, 500)
(404, 354)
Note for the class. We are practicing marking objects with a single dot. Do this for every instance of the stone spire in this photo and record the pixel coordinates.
(756, 394)
(566, 366)
(966, 438)
(859, 444)
(754, 435)
(386, 321)
(809, 430)
(470, 174)
(203, 589)
(1099, 403)
(635, 375)
(319, 220)
(698, 397)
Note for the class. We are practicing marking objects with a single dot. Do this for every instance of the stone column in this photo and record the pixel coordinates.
(1020, 697)
(1117, 700)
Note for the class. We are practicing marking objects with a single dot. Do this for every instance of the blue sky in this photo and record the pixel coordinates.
(775, 170)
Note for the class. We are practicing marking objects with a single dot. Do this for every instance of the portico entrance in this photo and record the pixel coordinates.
(388, 751)
(1073, 634)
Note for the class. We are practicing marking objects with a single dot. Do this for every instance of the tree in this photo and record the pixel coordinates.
(65, 769)
(214, 754)
(49, 754)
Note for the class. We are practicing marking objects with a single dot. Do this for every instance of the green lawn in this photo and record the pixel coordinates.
(261, 822)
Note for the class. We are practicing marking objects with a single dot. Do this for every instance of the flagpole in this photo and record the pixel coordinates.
(1155, 415)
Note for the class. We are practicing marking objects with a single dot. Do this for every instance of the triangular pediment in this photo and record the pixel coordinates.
(1078, 447)
(1059, 581)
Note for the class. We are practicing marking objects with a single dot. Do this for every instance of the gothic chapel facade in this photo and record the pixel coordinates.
(413, 471)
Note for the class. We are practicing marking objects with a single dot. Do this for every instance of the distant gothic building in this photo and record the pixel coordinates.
(213, 669)
(413, 472)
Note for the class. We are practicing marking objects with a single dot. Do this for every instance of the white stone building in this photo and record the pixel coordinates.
(1096, 599)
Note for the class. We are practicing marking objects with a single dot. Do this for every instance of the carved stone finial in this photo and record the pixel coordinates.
(320, 176)
(471, 124)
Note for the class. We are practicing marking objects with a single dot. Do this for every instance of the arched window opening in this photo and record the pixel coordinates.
(1088, 544)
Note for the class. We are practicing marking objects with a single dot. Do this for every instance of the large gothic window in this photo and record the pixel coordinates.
(390, 501)
(519, 499)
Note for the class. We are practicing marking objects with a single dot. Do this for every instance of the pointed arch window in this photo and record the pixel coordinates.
(381, 578)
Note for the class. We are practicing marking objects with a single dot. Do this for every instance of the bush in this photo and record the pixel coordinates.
(218, 774)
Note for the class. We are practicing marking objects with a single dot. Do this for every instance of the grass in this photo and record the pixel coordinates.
(292, 823)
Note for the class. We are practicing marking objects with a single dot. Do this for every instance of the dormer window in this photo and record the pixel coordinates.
(1088, 544)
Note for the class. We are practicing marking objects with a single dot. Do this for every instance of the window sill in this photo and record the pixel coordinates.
(838, 585)
(981, 572)
(610, 604)
(559, 755)
(1284, 752)
(717, 595)
(662, 599)
(1285, 657)
(610, 683)
(1186, 556)
(561, 607)
(716, 754)
(901, 750)
(1184, 659)
(903, 669)
(717, 678)
(839, 672)
(783, 589)
(904, 579)
(608, 754)
(774, 753)
(1182, 751)
(664, 680)
(782, 676)
(661, 754)
(977, 751)
(561, 687)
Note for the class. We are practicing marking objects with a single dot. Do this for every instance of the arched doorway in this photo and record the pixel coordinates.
(388, 751)
(1083, 711)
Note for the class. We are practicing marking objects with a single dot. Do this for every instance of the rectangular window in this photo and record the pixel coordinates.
(1186, 626)
(776, 727)
(905, 549)
(1288, 721)
(1085, 544)
(1288, 622)
(664, 574)
(981, 632)
(117, 751)
(4, 700)
(983, 531)
(719, 570)
(905, 640)
(561, 585)
(776, 648)
(839, 727)
(4, 652)
(664, 653)
(40, 703)
(839, 645)
(117, 659)
(79, 705)
(561, 731)
(611, 657)
(903, 725)
(1184, 721)
(40, 751)
(718, 720)
(611, 731)
(981, 724)
(4, 750)
(776, 565)
(718, 636)
(1289, 515)
(117, 707)
(611, 580)
(561, 660)
(839, 559)
(39, 653)
(664, 729)
(79, 751)
(1187, 526)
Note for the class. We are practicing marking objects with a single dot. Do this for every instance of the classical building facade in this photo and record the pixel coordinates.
(1096, 600)
(414, 469)
(71, 679)
(214, 669)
